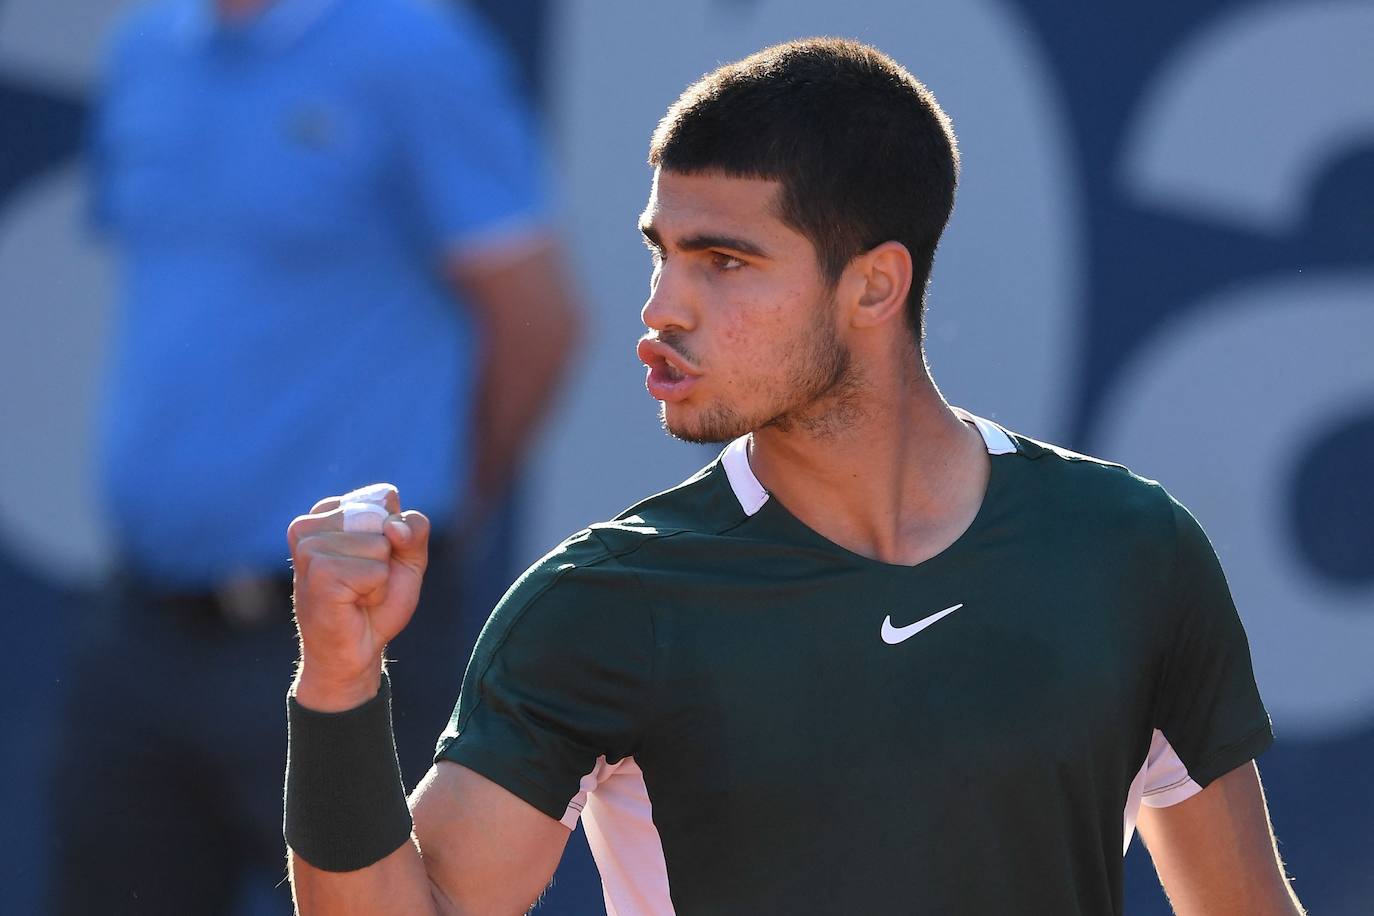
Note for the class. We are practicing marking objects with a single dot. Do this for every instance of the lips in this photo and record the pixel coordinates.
(670, 377)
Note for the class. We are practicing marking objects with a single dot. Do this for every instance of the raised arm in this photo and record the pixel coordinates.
(1216, 854)
(475, 848)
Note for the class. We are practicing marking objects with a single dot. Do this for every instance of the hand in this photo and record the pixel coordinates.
(354, 591)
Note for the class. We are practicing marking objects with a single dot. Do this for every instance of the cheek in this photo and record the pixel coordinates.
(756, 331)
(745, 335)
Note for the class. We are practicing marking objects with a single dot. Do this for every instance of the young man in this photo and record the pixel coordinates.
(881, 656)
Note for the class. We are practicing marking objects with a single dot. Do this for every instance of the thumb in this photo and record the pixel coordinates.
(408, 534)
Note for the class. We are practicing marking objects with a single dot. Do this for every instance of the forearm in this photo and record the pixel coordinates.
(1217, 894)
(530, 332)
(1216, 854)
(326, 716)
(1273, 900)
(398, 884)
(513, 394)
(355, 839)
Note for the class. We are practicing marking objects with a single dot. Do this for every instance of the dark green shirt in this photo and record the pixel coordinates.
(752, 719)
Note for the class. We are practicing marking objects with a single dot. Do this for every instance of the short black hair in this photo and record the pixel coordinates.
(863, 152)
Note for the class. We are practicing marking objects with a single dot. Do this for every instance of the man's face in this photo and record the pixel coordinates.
(742, 325)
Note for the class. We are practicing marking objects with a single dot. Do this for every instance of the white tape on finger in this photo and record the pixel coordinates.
(365, 517)
(375, 493)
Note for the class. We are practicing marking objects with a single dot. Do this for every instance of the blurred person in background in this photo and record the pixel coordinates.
(337, 267)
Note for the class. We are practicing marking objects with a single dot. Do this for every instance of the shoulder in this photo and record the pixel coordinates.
(565, 570)
(1096, 490)
(608, 552)
(585, 603)
(576, 610)
(703, 505)
(1106, 502)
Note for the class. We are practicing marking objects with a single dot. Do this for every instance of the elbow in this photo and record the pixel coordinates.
(560, 331)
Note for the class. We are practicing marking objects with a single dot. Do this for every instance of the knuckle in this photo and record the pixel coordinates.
(321, 505)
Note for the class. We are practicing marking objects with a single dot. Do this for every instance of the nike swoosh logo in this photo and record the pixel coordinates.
(893, 635)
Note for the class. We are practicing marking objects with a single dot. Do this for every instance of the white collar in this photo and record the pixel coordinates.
(752, 495)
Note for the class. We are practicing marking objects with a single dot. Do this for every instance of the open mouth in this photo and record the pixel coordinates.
(663, 359)
(670, 376)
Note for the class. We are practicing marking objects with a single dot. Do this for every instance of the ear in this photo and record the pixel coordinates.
(881, 277)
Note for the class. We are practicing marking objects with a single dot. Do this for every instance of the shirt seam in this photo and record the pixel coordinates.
(481, 675)
(651, 702)
(1160, 790)
(617, 555)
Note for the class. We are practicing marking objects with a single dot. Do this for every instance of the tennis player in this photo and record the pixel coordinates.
(882, 656)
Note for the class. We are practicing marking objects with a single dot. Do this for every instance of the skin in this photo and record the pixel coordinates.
(848, 430)
(1216, 852)
(871, 457)
(521, 303)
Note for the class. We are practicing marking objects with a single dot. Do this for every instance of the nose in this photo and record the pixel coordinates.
(670, 303)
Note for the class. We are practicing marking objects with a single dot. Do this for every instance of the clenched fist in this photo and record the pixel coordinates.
(354, 591)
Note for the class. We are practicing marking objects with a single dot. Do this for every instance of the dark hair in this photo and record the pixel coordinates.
(863, 151)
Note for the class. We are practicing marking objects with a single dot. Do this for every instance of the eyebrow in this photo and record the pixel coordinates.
(704, 241)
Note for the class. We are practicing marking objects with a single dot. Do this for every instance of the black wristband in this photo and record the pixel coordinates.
(345, 803)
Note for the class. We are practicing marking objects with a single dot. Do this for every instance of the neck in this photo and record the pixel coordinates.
(898, 482)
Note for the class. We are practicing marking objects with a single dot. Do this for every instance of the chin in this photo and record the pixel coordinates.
(714, 425)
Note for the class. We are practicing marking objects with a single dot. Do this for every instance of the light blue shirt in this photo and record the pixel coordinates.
(282, 195)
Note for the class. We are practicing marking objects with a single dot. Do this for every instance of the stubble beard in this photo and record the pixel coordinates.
(821, 394)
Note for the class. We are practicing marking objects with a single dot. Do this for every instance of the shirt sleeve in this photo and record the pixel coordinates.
(559, 681)
(467, 138)
(1209, 706)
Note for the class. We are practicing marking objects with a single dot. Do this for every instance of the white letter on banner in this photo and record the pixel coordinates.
(1222, 404)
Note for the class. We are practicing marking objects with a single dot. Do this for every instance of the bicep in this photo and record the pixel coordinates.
(1215, 852)
(484, 849)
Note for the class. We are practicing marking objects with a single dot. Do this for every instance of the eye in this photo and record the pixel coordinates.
(726, 262)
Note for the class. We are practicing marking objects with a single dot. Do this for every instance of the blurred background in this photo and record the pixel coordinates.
(1162, 253)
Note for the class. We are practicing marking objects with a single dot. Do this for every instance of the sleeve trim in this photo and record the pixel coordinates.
(504, 775)
(502, 242)
(1166, 796)
(1232, 755)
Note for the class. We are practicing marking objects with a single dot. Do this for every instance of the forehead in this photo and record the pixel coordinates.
(682, 205)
